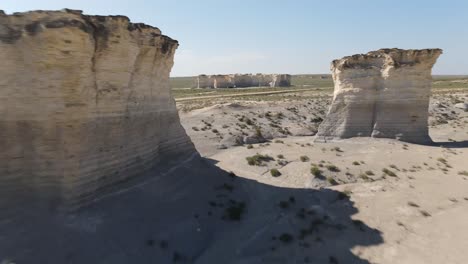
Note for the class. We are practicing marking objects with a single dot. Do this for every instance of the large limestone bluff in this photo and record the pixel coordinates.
(382, 94)
(85, 107)
(243, 80)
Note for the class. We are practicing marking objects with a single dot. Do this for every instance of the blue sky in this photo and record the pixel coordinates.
(295, 36)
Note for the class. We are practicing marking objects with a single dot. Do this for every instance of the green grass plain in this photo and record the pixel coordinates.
(181, 86)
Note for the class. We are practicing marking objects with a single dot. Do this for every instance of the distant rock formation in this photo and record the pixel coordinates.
(243, 80)
(85, 106)
(382, 94)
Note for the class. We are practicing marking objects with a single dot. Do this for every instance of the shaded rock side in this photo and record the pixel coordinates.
(382, 94)
(85, 107)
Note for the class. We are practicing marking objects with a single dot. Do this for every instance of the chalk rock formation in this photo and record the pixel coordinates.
(243, 80)
(85, 106)
(223, 81)
(281, 80)
(383, 94)
(204, 81)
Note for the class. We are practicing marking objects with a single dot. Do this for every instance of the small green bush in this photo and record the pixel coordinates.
(332, 181)
(316, 171)
(275, 172)
(304, 158)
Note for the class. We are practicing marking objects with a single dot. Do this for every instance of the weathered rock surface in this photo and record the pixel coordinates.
(382, 94)
(85, 107)
(243, 80)
(463, 106)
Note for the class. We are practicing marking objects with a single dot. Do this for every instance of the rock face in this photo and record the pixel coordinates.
(85, 107)
(223, 81)
(243, 80)
(382, 94)
(204, 81)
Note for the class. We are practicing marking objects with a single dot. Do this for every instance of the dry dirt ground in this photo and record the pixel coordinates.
(392, 202)
(355, 201)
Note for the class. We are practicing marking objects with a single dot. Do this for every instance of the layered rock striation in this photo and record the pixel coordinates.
(85, 107)
(243, 80)
(382, 94)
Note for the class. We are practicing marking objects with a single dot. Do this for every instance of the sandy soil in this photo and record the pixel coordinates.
(396, 202)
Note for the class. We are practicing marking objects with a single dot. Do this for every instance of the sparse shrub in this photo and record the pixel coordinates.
(286, 238)
(333, 260)
(464, 173)
(215, 130)
(235, 211)
(279, 141)
(412, 204)
(369, 173)
(316, 171)
(356, 163)
(280, 156)
(332, 181)
(275, 172)
(242, 126)
(364, 177)
(425, 213)
(195, 129)
(250, 146)
(337, 149)
(346, 193)
(304, 158)
(333, 168)
(282, 162)
(258, 159)
(389, 172)
(283, 204)
(316, 120)
(442, 160)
